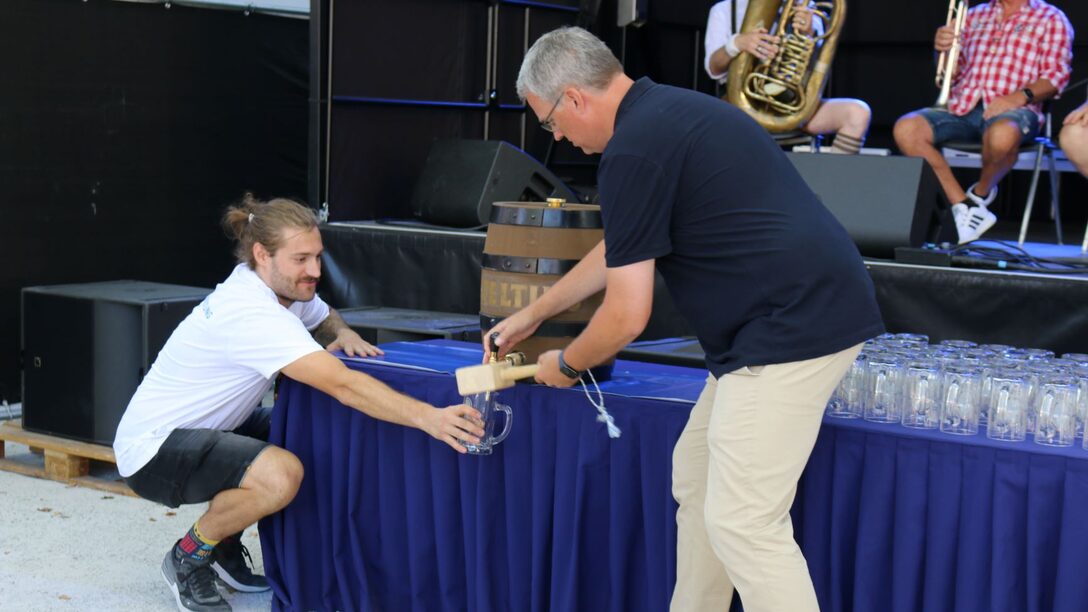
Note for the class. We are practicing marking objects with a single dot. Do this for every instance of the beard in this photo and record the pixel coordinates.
(292, 289)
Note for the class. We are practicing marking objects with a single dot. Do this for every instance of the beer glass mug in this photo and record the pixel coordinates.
(884, 388)
(919, 339)
(958, 344)
(960, 400)
(847, 399)
(1056, 412)
(1008, 418)
(489, 407)
(1038, 354)
(1082, 400)
(921, 395)
(987, 368)
(1036, 372)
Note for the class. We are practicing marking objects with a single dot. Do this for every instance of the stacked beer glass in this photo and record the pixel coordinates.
(959, 387)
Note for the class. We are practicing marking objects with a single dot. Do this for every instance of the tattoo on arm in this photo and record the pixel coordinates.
(325, 333)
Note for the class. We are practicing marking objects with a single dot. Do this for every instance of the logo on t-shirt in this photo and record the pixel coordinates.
(207, 308)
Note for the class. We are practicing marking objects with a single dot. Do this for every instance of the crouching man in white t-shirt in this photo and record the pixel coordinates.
(193, 431)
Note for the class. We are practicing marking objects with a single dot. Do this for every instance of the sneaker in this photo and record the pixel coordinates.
(231, 569)
(978, 220)
(193, 584)
(979, 200)
(960, 212)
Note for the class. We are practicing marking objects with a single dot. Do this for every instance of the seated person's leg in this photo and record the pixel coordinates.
(1002, 138)
(1074, 141)
(920, 133)
(847, 118)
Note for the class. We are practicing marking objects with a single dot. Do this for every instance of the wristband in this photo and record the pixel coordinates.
(731, 46)
(1029, 94)
(566, 370)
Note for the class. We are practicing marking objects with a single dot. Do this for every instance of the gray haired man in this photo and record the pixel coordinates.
(771, 283)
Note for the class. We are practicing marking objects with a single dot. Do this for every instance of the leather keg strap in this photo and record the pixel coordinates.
(587, 218)
(552, 329)
(528, 265)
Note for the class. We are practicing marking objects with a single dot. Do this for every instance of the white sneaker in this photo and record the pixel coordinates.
(959, 215)
(978, 200)
(977, 221)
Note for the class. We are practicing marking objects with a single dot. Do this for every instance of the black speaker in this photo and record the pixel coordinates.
(883, 201)
(463, 177)
(86, 348)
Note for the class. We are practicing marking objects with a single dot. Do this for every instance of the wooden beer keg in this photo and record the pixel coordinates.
(529, 246)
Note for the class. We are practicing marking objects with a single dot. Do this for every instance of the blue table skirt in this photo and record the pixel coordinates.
(561, 517)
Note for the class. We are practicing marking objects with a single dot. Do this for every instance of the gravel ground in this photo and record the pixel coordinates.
(73, 548)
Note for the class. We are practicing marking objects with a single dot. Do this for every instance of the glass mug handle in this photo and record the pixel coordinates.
(506, 426)
(1048, 405)
(921, 393)
(952, 399)
(1001, 410)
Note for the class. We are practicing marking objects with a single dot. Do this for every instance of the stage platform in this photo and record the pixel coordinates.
(403, 266)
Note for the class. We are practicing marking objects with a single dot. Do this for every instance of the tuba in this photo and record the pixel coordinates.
(782, 93)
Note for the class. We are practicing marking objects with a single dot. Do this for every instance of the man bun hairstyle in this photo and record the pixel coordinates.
(251, 221)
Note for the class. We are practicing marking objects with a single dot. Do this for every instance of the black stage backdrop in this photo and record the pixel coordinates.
(125, 128)
(403, 73)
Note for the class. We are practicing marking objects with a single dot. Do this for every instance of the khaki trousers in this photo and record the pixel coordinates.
(735, 473)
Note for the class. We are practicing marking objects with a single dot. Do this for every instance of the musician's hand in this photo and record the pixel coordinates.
(944, 39)
(760, 44)
(802, 18)
(1003, 104)
(1078, 116)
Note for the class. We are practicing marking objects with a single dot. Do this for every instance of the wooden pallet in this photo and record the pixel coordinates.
(65, 460)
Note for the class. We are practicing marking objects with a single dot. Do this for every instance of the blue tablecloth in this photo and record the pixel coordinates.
(561, 517)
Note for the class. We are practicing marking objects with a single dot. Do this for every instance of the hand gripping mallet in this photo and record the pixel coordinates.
(494, 375)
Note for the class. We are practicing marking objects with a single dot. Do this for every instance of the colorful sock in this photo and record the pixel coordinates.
(846, 144)
(194, 545)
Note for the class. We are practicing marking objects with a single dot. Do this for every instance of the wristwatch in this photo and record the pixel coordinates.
(1029, 94)
(568, 371)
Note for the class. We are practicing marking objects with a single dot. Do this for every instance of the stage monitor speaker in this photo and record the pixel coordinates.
(883, 201)
(86, 348)
(463, 177)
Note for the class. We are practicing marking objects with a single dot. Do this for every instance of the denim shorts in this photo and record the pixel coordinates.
(970, 127)
(195, 465)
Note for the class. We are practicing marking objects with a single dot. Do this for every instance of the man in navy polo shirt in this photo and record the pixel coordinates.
(772, 284)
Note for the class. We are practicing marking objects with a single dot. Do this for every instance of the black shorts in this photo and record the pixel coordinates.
(194, 465)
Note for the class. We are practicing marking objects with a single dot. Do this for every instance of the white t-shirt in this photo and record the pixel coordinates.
(720, 29)
(216, 366)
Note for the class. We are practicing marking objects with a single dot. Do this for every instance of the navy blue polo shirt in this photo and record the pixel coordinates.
(757, 265)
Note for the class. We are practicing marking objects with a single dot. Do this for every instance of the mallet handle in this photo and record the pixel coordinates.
(519, 372)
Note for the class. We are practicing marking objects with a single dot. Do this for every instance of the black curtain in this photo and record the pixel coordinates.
(125, 129)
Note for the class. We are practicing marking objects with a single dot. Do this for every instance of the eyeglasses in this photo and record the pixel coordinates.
(546, 123)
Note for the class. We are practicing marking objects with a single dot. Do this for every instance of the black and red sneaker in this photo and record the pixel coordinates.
(229, 561)
(193, 584)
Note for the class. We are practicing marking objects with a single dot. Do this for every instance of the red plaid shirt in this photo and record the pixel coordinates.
(999, 58)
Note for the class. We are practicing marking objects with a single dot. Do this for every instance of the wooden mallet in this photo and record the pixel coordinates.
(492, 376)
